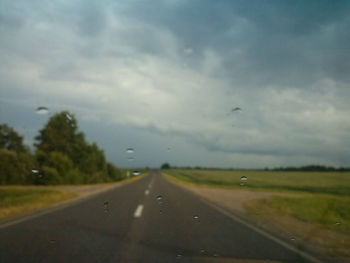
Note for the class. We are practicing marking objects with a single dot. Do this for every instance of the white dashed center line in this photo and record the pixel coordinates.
(146, 192)
(138, 211)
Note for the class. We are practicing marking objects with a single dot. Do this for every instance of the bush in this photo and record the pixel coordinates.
(15, 168)
(74, 176)
(47, 176)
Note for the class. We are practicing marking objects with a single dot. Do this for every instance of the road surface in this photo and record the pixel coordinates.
(148, 220)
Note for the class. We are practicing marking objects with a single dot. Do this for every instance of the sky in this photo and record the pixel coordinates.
(163, 78)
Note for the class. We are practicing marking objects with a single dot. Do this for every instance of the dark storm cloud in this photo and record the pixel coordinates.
(279, 42)
(174, 69)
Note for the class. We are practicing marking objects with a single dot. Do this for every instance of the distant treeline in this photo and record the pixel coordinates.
(319, 168)
(61, 156)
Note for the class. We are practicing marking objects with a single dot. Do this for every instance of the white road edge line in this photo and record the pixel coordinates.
(303, 254)
(138, 211)
(147, 192)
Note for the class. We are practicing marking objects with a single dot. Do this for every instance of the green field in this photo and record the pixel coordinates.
(318, 197)
(17, 200)
(334, 183)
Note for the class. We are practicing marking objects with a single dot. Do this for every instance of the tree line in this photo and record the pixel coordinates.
(61, 156)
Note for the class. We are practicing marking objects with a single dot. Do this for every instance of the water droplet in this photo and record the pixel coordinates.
(202, 251)
(135, 173)
(34, 171)
(241, 184)
(188, 51)
(42, 110)
(105, 206)
(337, 223)
(159, 198)
(292, 238)
(196, 217)
(69, 117)
(215, 255)
(130, 150)
(244, 178)
(178, 256)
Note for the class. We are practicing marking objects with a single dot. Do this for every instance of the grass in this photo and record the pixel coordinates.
(318, 197)
(18, 200)
(334, 183)
(329, 211)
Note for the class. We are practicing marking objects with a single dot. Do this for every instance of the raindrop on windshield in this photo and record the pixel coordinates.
(130, 150)
(42, 110)
(135, 172)
(188, 51)
(178, 256)
(34, 171)
(196, 217)
(69, 117)
(159, 198)
(244, 178)
(105, 205)
(337, 223)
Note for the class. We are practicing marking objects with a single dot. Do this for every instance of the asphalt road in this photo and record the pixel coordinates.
(148, 220)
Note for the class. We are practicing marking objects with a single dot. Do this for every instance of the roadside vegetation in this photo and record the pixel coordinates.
(319, 200)
(61, 156)
(334, 183)
(17, 200)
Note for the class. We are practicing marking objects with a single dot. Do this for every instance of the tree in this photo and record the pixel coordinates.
(165, 166)
(11, 140)
(60, 135)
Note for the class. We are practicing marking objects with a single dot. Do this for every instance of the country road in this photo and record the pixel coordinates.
(148, 220)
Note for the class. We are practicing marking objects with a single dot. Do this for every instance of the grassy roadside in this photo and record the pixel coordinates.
(335, 183)
(317, 213)
(18, 200)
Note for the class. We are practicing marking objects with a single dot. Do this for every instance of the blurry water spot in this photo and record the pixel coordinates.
(188, 51)
(215, 255)
(42, 110)
(69, 117)
(131, 159)
(241, 184)
(159, 198)
(196, 217)
(34, 171)
(105, 206)
(236, 109)
(135, 172)
(292, 238)
(130, 150)
(202, 251)
(178, 256)
(168, 149)
(244, 178)
(337, 223)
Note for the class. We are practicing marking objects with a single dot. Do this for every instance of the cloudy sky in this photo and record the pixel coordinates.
(163, 78)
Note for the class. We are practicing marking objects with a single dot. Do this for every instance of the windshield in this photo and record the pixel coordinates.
(194, 131)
